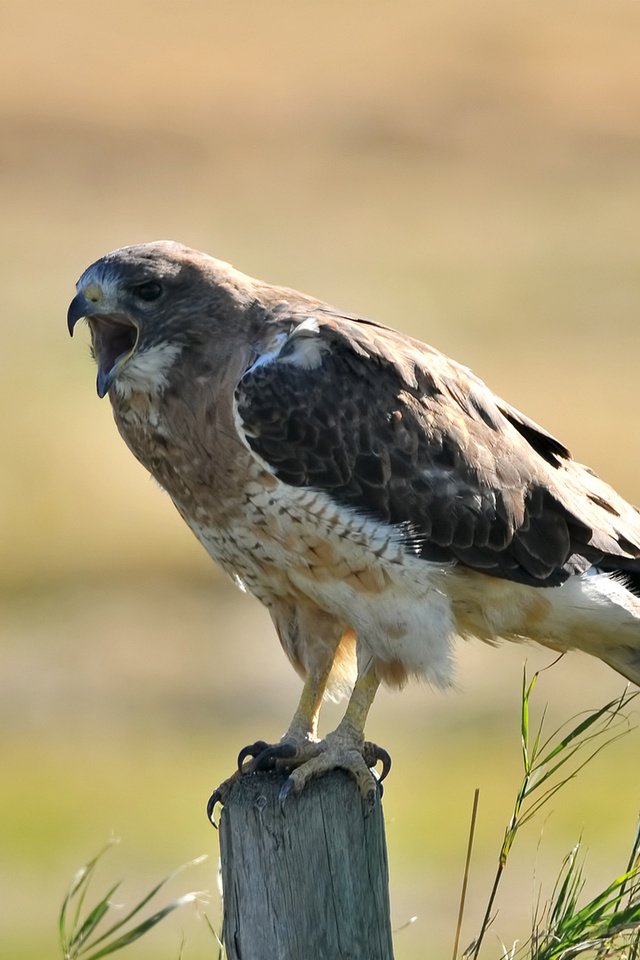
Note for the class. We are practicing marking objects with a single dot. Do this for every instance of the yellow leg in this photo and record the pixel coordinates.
(355, 717)
(303, 756)
(305, 720)
(300, 737)
(345, 748)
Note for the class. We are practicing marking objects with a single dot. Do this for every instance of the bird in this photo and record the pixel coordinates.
(376, 496)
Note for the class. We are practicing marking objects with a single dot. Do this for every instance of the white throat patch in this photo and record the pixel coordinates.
(147, 371)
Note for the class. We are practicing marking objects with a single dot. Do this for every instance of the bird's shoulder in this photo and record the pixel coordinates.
(318, 361)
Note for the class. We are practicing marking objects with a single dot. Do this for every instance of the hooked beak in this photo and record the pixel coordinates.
(78, 308)
(114, 338)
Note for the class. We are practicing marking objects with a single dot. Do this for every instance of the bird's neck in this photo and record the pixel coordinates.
(186, 437)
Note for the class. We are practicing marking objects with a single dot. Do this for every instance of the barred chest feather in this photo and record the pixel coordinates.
(298, 546)
(248, 520)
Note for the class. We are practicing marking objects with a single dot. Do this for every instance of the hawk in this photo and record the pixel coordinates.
(373, 494)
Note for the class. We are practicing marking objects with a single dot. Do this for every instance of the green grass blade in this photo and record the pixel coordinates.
(84, 931)
(551, 791)
(565, 896)
(633, 867)
(78, 887)
(597, 926)
(611, 711)
(563, 930)
(535, 749)
(524, 717)
(76, 882)
(144, 901)
(131, 935)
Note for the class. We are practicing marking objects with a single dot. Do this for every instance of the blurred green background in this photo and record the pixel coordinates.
(469, 173)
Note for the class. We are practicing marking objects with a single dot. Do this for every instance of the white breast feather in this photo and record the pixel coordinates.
(147, 370)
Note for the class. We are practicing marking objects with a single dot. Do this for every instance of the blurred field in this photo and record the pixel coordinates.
(469, 173)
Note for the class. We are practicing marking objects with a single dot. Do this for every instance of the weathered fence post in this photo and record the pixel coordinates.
(307, 884)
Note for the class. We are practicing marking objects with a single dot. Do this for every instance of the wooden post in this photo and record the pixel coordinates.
(307, 884)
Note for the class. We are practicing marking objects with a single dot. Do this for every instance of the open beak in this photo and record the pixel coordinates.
(114, 338)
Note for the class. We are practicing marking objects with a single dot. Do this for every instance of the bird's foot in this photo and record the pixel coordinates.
(306, 759)
(340, 751)
(260, 756)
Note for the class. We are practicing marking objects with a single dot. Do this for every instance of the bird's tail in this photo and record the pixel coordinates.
(624, 658)
(597, 613)
(625, 661)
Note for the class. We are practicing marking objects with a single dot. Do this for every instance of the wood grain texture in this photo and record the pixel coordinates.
(309, 883)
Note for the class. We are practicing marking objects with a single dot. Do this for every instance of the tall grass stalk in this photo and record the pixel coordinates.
(549, 763)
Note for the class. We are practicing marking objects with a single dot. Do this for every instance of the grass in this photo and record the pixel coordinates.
(83, 935)
(549, 764)
(607, 925)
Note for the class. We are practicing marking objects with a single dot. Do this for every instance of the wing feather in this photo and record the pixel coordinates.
(394, 429)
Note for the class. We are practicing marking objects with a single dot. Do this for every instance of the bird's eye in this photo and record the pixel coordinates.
(149, 290)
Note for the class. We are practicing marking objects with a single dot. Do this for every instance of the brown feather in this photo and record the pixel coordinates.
(391, 427)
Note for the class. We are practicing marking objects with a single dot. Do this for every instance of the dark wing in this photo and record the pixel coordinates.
(394, 429)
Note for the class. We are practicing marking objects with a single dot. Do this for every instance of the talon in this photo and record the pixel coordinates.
(220, 795)
(373, 754)
(385, 760)
(216, 797)
(286, 790)
(251, 750)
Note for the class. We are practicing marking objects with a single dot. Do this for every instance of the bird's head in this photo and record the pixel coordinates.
(141, 302)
